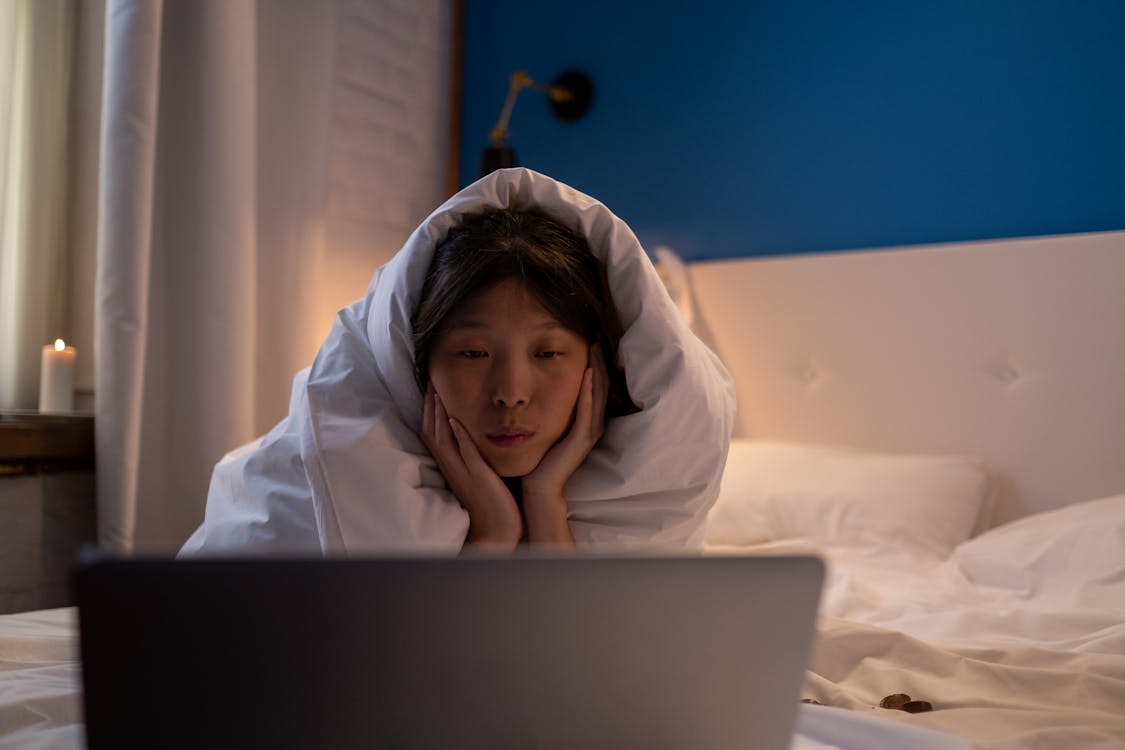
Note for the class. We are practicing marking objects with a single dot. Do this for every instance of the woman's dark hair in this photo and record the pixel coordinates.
(554, 263)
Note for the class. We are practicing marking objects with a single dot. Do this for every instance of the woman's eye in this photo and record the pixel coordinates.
(549, 354)
(472, 354)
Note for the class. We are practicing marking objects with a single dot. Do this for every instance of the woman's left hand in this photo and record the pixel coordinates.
(542, 488)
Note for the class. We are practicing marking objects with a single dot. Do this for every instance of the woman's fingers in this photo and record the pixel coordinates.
(589, 417)
(441, 422)
(428, 418)
(588, 394)
(600, 394)
(447, 441)
(467, 448)
(454, 439)
(438, 436)
(589, 411)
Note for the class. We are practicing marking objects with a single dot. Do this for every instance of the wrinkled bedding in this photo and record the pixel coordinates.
(1017, 640)
(40, 702)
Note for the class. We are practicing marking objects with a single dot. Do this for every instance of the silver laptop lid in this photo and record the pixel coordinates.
(525, 652)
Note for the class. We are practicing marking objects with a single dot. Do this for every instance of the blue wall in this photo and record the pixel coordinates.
(743, 128)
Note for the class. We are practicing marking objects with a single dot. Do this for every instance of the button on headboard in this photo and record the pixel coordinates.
(1011, 350)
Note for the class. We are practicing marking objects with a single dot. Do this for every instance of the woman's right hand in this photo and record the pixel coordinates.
(494, 517)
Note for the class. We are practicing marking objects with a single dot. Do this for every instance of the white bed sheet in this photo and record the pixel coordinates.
(40, 698)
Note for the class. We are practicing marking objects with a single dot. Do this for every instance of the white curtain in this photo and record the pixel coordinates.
(36, 47)
(222, 231)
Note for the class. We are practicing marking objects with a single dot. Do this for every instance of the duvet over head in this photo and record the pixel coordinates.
(346, 473)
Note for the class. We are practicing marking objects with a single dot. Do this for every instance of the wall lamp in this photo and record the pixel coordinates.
(570, 96)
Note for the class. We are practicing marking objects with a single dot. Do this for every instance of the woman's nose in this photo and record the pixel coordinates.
(511, 384)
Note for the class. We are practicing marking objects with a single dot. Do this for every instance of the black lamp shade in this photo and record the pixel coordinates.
(493, 158)
(581, 98)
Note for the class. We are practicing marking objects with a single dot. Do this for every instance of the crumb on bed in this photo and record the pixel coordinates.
(903, 702)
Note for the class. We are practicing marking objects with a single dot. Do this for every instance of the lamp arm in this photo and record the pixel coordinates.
(519, 81)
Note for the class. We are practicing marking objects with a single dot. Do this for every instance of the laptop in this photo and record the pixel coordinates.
(478, 652)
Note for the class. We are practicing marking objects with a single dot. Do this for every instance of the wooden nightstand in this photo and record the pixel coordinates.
(47, 505)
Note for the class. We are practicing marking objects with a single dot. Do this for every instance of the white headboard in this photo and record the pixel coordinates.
(1012, 350)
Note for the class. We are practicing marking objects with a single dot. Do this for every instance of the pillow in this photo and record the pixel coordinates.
(838, 496)
(1076, 553)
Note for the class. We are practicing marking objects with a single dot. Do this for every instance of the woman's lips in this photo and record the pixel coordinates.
(509, 438)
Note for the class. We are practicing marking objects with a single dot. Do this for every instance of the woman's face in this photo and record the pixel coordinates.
(510, 373)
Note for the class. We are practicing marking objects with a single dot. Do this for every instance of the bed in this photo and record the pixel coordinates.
(945, 425)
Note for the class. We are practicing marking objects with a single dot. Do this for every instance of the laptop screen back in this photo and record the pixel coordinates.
(525, 652)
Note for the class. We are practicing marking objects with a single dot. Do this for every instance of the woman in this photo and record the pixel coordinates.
(515, 340)
(402, 436)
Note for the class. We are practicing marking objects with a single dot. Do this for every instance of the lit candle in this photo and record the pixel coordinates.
(56, 378)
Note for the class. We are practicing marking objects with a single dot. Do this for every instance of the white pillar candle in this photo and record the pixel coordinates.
(56, 378)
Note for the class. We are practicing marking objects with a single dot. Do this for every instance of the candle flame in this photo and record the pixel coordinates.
(59, 345)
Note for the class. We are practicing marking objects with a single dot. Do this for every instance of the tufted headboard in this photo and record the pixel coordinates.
(1011, 350)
